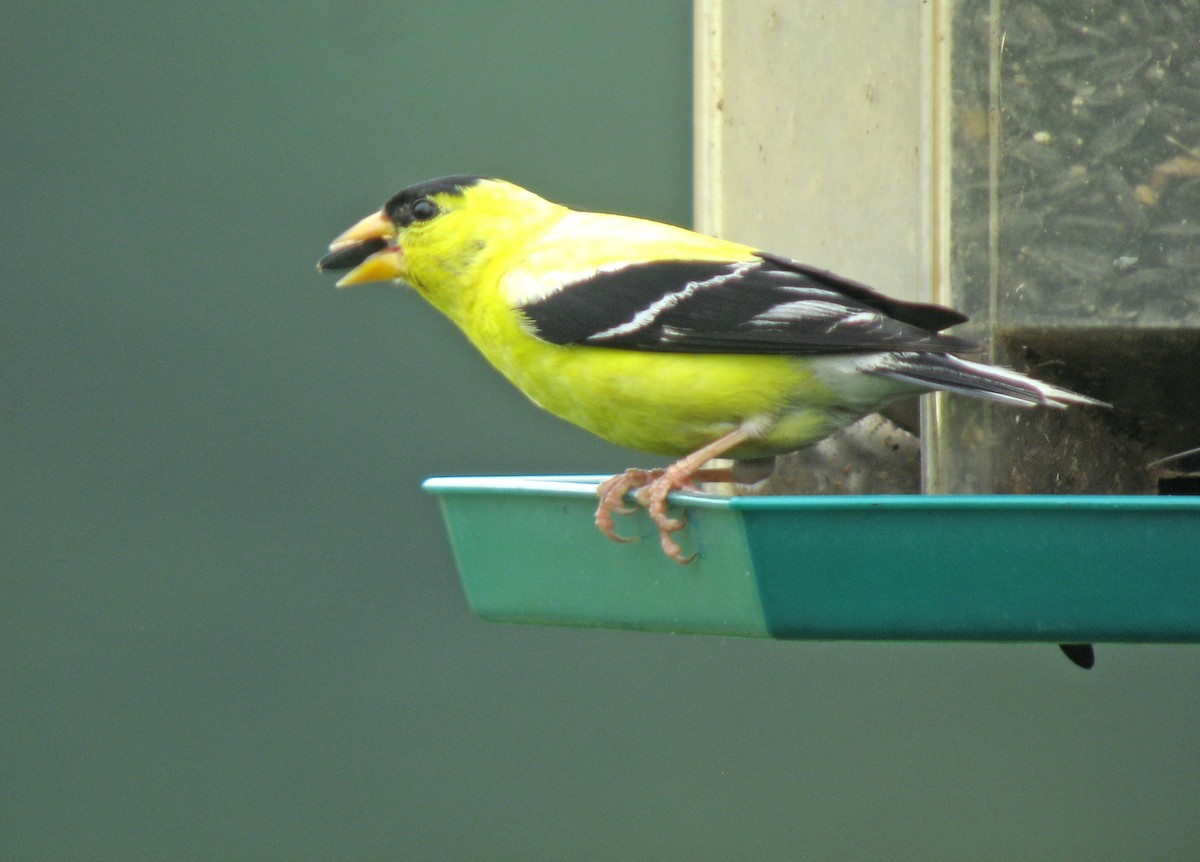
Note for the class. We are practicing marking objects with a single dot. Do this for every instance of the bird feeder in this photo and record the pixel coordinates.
(1036, 166)
(1067, 225)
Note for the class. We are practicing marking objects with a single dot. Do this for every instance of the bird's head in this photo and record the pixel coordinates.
(435, 232)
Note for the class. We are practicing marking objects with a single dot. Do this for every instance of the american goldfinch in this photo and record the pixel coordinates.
(661, 339)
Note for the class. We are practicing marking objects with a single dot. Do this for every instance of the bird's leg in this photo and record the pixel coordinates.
(612, 493)
(708, 475)
(653, 493)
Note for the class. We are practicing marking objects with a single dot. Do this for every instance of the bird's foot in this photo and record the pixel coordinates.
(612, 493)
(653, 497)
(655, 485)
(652, 486)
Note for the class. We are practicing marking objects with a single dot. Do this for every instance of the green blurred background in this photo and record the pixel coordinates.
(231, 627)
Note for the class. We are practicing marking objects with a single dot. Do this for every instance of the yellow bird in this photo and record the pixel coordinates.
(661, 339)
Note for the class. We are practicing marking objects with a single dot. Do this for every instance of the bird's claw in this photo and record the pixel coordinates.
(606, 525)
(653, 498)
(653, 487)
(612, 493)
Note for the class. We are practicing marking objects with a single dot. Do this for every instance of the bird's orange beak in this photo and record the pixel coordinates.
(367, 250)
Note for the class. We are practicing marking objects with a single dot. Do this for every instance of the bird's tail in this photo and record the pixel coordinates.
(942, 371)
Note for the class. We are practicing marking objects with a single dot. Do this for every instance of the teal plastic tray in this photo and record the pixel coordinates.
(994, 568)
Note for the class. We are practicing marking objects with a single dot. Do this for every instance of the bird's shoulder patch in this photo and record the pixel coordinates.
(761, 305)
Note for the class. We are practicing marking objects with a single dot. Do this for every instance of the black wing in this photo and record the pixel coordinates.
(769, 305)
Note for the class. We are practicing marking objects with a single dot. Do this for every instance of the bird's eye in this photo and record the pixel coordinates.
(424, 209)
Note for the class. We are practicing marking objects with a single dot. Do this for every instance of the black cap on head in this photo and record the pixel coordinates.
(397, 207)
